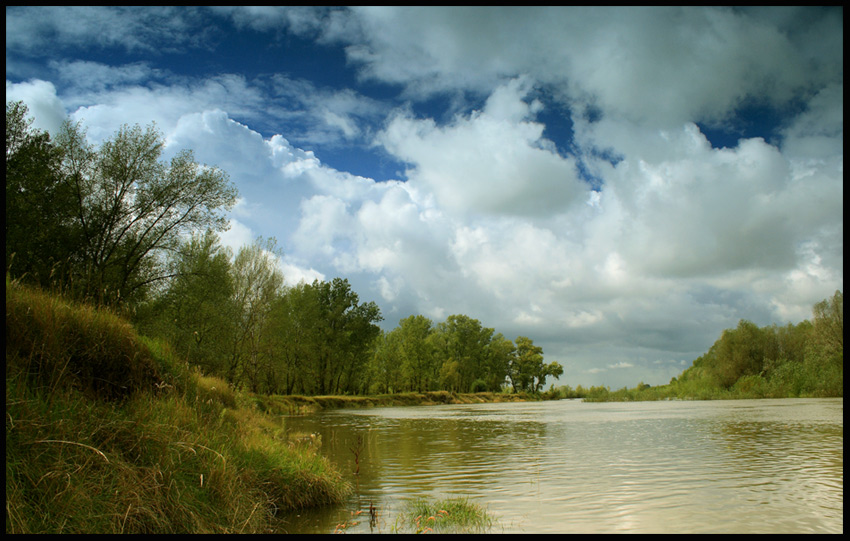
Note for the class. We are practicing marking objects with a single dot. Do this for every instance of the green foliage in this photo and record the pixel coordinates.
(829, 328)
(406, 358)
(417, 354)
(385, 375)
(501, 354)
(462, 341)
(96, 221)
(528, 372)
(39, 204)
(257, 282)
(739, 352)
(323, 338)
(347, 333)
(457, 355)
(196, 313)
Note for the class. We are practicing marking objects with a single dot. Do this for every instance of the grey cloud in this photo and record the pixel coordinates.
(151, 29)
(648, 63)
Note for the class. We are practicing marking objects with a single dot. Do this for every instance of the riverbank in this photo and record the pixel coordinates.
(109, 432)
(302, 405)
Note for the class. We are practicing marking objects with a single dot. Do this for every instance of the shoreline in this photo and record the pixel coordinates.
(304, 405)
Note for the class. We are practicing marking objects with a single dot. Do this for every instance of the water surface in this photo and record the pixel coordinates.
(740, 466)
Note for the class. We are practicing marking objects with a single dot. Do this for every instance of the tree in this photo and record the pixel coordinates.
(500, 353)
(39, 203)
(739, 352)
(257, 282)
(416, 353)
(463, 343)
(325, 338)
(348, 333)
(528, 372)
(527, 364)
(829, 326)
(131, 208)
(294, 331)
(196, 312)
(385, 370)
(552, 369)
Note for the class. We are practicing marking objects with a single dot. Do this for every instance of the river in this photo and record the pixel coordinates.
(725, 466)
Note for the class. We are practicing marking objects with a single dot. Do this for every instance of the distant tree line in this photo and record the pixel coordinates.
(234, 317)
(117, 226)
(802, 360)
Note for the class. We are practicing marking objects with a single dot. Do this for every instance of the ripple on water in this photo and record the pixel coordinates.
(667, 467)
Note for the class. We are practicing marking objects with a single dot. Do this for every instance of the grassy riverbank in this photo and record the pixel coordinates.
(109, 432)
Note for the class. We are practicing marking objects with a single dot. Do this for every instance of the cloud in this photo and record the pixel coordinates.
(45, 107)
(492, 161)
(95, 77)
(149, 29)
(236, 236)
(818, 133)
(664, 65)
(674, 241)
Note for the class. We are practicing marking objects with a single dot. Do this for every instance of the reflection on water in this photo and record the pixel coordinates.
(568, 466)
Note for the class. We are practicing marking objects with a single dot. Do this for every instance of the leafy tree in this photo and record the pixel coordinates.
(257, 281)
(500, 354)
(324, 338)
(450, 376)
(552, 369)
(463, 343)
(293, 330)
(829, 326)
(131, 208)
(528, 372)
(416, 353)
(196, 312)
(739, 352)
(385, 372)
(349, 331)
(39, 203)
(527, 365)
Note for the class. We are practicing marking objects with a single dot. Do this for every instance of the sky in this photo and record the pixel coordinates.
(618, 184)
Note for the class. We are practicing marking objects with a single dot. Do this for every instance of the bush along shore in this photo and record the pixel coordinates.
(108, 431)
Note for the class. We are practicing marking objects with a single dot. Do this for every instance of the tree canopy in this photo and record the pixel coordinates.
(108, 214)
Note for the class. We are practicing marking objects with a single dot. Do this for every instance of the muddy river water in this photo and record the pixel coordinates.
(740, 466)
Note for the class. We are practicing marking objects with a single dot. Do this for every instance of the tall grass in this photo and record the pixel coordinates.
(54, 344)
(107, 432)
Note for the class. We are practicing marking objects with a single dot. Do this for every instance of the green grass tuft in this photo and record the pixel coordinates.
(449, 515)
